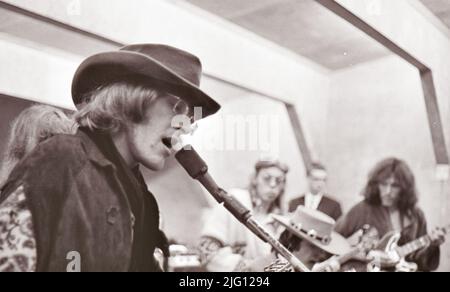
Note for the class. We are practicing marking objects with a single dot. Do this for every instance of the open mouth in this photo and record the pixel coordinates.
(167, 142)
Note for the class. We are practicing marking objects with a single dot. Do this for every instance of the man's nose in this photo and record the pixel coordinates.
(387, 190)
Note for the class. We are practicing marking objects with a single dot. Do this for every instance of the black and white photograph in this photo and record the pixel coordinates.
(240, 137)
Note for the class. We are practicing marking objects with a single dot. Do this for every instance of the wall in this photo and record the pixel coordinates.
(36, 73)
(405, 23)
(376, 111)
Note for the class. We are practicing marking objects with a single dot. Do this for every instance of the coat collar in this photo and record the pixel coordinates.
(100, 148)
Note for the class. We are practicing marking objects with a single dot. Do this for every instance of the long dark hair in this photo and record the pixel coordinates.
(404, 178)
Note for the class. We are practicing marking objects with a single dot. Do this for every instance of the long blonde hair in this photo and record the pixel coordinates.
(33, 126)
(111, 107)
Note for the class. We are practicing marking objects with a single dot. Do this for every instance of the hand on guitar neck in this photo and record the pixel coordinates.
(437, 236)
(388, 254)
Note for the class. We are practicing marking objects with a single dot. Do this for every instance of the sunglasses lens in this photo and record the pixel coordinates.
(275, 180)
(181, 108)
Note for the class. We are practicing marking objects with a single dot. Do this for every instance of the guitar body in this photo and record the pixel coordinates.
(407, 267)
(355, 260)
(389, 244)
(385, 256)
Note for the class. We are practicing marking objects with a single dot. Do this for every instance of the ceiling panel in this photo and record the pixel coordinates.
(440, 8)
(302, 26)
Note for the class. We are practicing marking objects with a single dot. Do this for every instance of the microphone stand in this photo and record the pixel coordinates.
(198, 169)
(244, 215)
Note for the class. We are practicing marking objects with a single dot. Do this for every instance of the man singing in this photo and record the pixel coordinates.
(84, 193)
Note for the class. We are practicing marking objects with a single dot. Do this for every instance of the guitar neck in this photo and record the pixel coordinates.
(417, 244)
(413, 246)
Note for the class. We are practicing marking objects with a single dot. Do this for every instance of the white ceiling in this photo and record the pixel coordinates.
(440, 8)
(302, 26)
(46, 34)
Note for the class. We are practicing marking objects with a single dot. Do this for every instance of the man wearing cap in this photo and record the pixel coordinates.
(80, 203)
(226, 245)
(310, 237)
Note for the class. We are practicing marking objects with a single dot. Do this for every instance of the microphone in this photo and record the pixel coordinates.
(197, 168)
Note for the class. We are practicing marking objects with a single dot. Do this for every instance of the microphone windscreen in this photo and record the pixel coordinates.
(191, 162)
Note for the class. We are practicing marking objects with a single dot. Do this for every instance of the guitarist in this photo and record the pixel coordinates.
(390, 204)
(309, 236)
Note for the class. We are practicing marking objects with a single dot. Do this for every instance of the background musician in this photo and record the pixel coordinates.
(390, 204)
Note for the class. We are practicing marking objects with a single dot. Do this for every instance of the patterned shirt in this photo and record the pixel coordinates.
(17, 242)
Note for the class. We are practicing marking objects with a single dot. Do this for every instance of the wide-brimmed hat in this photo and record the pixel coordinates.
(315, 227)
(161, 67)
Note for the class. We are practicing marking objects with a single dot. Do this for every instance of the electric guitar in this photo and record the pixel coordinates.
(388, 254)
(367, 240)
